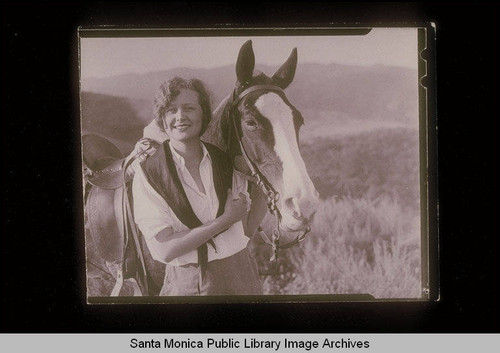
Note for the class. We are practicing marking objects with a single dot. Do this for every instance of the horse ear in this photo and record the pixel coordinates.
(245, 63)
(285, 74)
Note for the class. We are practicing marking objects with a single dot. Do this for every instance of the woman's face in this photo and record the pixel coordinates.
(183, 118)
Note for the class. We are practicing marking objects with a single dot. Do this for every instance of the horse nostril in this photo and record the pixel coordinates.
(288, 202)
(293, 205)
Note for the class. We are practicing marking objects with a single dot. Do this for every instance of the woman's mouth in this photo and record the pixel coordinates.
(182, 127)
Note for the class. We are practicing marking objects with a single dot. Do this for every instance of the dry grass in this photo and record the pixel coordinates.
(366, 238)
(357, 246)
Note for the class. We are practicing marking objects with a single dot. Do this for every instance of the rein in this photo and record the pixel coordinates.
(131, 231)
(258, 178)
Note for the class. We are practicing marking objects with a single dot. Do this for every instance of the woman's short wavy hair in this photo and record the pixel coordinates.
(169, 90)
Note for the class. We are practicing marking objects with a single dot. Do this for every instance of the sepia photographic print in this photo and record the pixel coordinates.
(255, 165)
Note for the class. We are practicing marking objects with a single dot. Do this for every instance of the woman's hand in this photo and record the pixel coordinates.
(235, 209)
(144, 148)
(169, 246)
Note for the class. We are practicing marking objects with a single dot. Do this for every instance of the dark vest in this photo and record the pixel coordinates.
(161, 173)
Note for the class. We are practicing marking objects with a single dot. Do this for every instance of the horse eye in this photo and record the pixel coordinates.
(251, 124)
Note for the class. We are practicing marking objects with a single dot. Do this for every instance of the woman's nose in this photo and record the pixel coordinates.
(178, 114)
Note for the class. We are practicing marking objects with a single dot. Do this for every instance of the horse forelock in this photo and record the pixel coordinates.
(258, 78)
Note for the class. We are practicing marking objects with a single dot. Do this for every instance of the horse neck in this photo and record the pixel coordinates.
(213, 133)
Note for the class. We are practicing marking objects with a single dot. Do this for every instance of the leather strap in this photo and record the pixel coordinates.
(118, 285)
(260, 180)
(237, 100)
(132, 232)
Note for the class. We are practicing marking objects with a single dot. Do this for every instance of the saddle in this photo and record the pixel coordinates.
(109, 214)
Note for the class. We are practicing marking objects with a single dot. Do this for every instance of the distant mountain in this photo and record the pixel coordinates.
(376, 92)
(117, 118)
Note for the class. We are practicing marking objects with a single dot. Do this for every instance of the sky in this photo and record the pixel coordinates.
(103, 57)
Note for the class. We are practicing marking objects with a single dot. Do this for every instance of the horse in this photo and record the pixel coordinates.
(258, 127)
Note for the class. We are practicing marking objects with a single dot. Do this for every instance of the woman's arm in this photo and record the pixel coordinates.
(168, 245)
(152, 216)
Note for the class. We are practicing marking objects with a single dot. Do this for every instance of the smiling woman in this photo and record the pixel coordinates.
(182, 99)
(192, 210)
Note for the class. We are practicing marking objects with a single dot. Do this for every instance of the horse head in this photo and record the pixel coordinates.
(259, 119)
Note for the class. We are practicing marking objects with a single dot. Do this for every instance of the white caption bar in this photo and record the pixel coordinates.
(249, 343)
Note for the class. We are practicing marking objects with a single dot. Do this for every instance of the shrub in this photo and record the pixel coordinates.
(356, 246)
(366, 233)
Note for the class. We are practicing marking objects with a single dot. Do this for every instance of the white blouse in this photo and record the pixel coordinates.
(152, 213)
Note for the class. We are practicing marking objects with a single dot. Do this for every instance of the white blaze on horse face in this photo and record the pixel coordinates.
(298, 188)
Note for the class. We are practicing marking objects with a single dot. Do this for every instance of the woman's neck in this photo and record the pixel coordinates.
(190, 150)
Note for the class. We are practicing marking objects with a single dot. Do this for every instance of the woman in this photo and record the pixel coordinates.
(192, 210)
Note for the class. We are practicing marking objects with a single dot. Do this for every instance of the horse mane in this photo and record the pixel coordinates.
(216, 132)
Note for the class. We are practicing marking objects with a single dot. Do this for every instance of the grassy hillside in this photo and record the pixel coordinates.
(366, 233)
(371, 164)
(116, 118)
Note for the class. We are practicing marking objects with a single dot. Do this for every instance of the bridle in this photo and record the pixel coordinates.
(259, 179)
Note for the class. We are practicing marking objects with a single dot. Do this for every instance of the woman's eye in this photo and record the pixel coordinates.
(171, 110)
(251, 123)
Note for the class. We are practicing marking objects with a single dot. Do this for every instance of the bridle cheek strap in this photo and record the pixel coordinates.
(267, 189)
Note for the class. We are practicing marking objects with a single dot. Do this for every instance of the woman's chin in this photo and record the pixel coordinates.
(182, 137)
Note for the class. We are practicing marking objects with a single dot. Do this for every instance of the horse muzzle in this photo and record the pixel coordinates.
(297, 216)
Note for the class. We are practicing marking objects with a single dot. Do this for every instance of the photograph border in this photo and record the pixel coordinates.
(426, 34)
(43, 268)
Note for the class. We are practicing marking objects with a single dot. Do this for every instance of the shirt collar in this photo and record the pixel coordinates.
(179, 160)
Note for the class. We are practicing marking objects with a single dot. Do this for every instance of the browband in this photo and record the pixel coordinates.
(252, 89)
